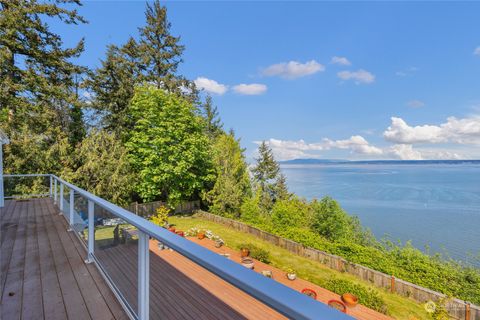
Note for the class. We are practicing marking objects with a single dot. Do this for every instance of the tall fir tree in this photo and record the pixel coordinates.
(37, 82)
(267, 177)
(153, 58)
(213, 123)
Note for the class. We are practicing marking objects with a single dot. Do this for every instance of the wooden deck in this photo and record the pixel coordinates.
(43, 275)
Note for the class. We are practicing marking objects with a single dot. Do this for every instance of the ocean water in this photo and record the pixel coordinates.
(430, 204)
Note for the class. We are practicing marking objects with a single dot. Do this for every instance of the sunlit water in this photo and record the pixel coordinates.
(436, 204)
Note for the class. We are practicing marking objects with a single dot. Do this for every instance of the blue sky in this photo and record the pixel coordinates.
(405, 83)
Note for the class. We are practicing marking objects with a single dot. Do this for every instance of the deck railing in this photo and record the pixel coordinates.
(284, 300)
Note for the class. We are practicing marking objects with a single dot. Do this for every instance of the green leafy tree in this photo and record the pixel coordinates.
(232, 184)
(168, 148)
(293, 212)
(267, 177)
(330, 220)
(103, 167)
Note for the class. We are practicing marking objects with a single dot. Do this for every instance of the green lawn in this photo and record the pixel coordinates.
(398, 307)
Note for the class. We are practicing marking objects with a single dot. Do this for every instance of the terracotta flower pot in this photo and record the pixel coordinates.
(309, 292)
(201, 235)
(248, 263)
(337, 305)
(244, 252)
(171, 229)
(350, 300)
(180, 233)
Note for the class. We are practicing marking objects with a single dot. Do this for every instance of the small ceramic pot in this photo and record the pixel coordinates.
(247, 263)
(171, 229)
(201, 235)
(218, 244)
(267, 273)
(291, 276)
(337, 305)
(350, 300)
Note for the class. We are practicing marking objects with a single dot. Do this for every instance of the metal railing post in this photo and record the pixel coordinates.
(61, 198)
(143, 276)
(91, 231)
(72, 204)
(50, 191)
(55, 193)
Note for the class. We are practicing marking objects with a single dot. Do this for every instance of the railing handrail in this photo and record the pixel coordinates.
(274, 294)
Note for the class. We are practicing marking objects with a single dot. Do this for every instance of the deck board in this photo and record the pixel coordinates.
(43, 274)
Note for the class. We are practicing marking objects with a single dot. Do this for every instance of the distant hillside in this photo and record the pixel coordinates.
(339, 161)
(312, 161)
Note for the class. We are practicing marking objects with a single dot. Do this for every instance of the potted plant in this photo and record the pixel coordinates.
(180, 233)
(201, 234)
(350, 300)
(244, 252)
(310, 292)
(218, 241)
(291, 274)
(248, 263)
(337, 305)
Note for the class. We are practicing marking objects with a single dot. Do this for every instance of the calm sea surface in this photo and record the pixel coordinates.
(435, 204)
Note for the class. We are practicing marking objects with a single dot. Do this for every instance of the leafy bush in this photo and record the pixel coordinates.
(366, 296)
(260, 254)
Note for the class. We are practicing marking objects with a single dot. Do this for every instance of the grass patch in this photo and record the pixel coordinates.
(398, 307)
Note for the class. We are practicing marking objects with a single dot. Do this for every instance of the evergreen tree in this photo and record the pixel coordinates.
(37, 82)
(153, 58)
(161, 52)
(232, 184)
(113, 85)
(268, 178)
(213, 125)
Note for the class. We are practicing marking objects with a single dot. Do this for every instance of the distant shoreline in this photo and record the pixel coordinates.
(350, 162)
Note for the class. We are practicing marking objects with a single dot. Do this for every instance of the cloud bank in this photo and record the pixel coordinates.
(406, 142)
(340, 61)
(250, 89)
(210, 86)
(293, 69)
(359, 77)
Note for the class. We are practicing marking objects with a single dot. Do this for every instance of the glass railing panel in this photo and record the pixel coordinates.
(116, 251)
(26, 186)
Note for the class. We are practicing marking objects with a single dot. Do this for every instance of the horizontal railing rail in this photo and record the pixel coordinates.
(283, 299)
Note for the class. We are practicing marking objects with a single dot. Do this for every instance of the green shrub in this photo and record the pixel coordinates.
(366, 296)
(260, 254)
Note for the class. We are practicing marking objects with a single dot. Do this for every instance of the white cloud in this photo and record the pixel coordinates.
(461, 131)
(340, 61)
(210, 86)
(415, 104)
(250, 89)
(359, 76)
(477, 51)
(288, 149)
(293, 69)
(405, 152)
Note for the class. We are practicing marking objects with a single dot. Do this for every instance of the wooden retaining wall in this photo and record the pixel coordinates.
(147, 209)
(458, 309)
